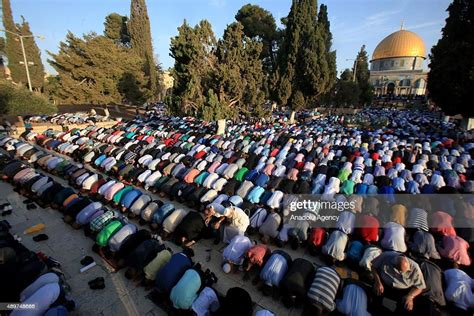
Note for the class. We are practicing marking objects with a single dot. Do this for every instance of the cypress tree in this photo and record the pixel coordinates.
(3, 44)
(451, 76)
(195, 62)
(33, 55)
(13, 48)
(240, 75)
(346, 91)
(14, 51)
(2, 56)
(115, 28)
(325, 26)
(216, 80)
(287, 56)
(362, 77)
(303, 58)
(140, 39)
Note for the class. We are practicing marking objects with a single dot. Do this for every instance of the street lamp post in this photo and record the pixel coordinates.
(25, 62)
(27, 69)
(356, 61)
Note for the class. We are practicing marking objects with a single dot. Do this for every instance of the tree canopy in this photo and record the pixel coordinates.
(18, 100)
(14, 52)
(92, 69)
(193, 52)
(304, 62)
(216, 79)
(115, 28)
(362, 77)
(259, 24)
(2, 45)
(345, 92)
(452, 57)
(141, 43)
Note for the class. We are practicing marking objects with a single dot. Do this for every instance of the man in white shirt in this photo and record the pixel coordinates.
(236, 223)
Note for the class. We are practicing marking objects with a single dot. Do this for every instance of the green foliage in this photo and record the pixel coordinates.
(216, 80)
(214, 110)
(347, 75)
(2, 45)
(259, 24)
(297, 101)
(362, 77)
(115, 28)
(346, 91)
(451, 76)
(132, 89)
(2, 56)
(33, 55)
(239, 76)
(325, 27)
(20, 101)
(14, 51)
(305, 63)
(93, 69)
(140, 39)
(195, 63)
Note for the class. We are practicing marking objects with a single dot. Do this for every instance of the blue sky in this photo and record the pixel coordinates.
(353, 22)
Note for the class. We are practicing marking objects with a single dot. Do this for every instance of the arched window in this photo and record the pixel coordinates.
(420, 83)
(390, 88)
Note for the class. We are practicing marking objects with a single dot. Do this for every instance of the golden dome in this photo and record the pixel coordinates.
(402, 43)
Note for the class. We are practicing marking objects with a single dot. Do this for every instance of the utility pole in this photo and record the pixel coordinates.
(25, 61)
(356, 61)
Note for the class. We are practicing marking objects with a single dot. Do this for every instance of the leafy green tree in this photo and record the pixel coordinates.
(259, 24)
(303, 62)
(193, 50)
(297, 101)
(140, 39)
(362, 77)
(91, 69)
(213, 110)
(20, 101)
(15, 54)
(240, 76)
(216, 79)
(345, 92)
(132, 89)
(36, 69)
(2, 55)
(451, 76)
(116, 29)
(325, 27)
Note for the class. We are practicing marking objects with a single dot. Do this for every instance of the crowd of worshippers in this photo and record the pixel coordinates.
(66, 118)
(32, 279)
(246, 179)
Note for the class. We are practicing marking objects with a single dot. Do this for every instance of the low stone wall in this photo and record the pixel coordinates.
(39, 128)
(338, 111)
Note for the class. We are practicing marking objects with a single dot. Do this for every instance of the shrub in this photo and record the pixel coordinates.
(20, 101)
